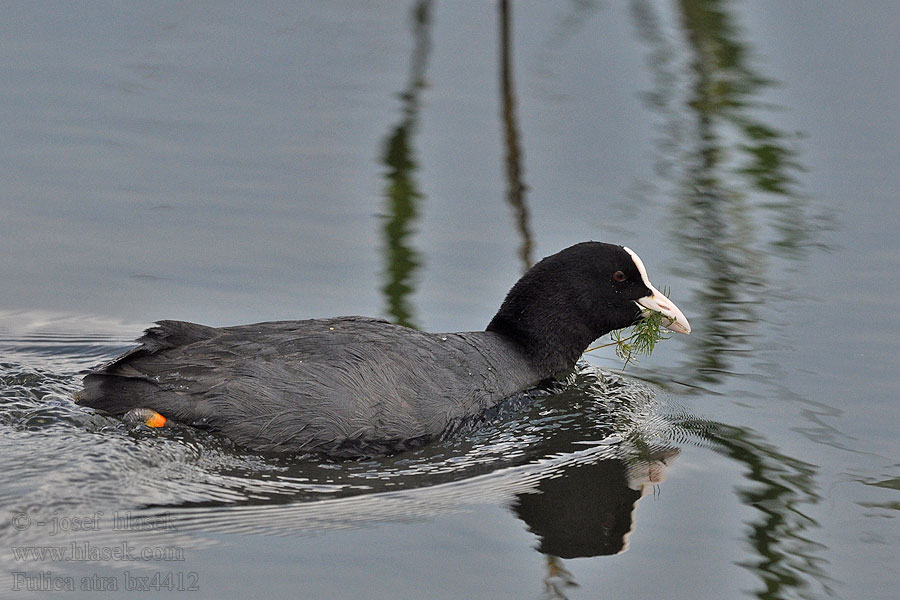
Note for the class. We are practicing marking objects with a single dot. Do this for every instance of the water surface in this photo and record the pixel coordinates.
(226, 164)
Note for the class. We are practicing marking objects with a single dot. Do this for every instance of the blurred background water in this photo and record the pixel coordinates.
(227, 163)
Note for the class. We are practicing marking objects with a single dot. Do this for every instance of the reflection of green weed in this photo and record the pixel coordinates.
(642, 338)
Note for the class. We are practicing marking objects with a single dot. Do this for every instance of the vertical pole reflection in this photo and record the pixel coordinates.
(402, 194)
(515, 186)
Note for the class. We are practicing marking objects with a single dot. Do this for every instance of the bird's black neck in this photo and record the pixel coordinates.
(552, 350)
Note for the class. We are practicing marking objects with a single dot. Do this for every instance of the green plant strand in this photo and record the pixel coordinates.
(642, 338)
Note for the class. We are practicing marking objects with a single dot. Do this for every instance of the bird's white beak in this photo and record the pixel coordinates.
(658, 302)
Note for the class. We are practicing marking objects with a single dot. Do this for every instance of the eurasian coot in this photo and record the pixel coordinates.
(358, 386)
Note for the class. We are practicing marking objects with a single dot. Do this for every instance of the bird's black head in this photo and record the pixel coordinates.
(575, 296)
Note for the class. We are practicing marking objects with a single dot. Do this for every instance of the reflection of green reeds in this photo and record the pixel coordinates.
(735, 177)
(734, 173)
(724, 90)
(402, 196)
(402, 191)
(780, 489)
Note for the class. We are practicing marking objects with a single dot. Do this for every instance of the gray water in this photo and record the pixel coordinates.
(227, 163)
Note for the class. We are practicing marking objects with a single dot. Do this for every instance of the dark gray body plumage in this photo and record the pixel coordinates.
(347, 385)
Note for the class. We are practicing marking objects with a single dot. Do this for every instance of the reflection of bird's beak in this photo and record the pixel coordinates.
(658, 302)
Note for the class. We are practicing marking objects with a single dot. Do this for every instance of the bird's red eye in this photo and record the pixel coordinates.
(619, 276)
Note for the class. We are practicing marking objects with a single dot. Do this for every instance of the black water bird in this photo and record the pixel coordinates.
(362, 386)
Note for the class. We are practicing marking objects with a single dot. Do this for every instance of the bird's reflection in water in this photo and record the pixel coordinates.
(588, 510)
